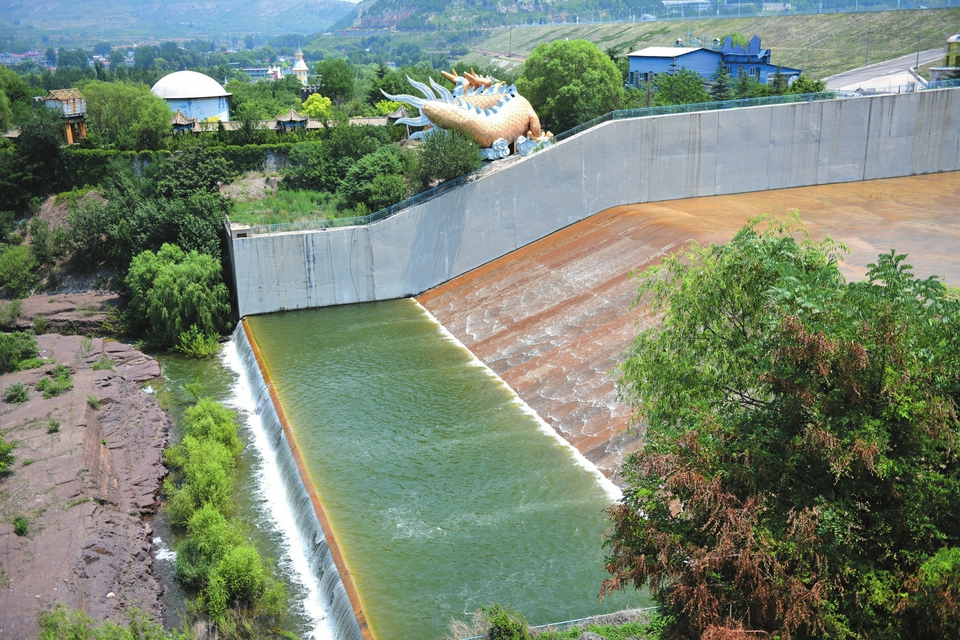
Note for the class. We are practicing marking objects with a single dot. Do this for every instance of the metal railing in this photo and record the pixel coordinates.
(623, 114)
(606, 618)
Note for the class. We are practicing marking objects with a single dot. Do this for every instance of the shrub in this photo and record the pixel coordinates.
(506, 624)
(40, 325)
(53, 426)
(171, 291)
(15, 348)
(20, 526)
(16, 393)
(67, 624)
(59, 381)
(6, 454)
(197, 345)
(10, 312)
(210, 420)
(18, 271)
(103, 363)
(445, 155)
(31, 363)
(243, 573)
(93, 401)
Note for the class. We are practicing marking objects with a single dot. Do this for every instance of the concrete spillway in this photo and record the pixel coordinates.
(552, 318)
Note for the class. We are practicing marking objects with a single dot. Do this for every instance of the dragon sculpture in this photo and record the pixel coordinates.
(493, 115)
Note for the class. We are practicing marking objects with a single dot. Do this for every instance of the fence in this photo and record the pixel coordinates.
(613, 619)
(317, 225)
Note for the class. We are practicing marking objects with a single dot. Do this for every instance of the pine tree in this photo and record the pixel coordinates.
(720, 89)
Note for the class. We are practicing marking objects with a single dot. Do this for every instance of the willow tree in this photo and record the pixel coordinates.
(800, 474)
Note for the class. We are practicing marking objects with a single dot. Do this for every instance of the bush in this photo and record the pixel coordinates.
(445, 155)
(20, 526)
(360, 186)
(506, 624)
(17, 393)
(15, 348)
(67, 624)
(59, 381)
(6, 454)
(17, 271)
(53, 426)
(171, 291)
(197, 345)
(31, 363)
(210, 420)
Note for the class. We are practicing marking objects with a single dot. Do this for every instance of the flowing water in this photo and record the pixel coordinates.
(444, 491)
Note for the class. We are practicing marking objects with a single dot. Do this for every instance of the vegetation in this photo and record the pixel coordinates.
(16, 393)
(215, 558)
(173, 293)
(569, 83)
(21, 526)
(122, 115)
(15, 348)
(799, 476)
(6, 454)
(446, 155)
(59, 381)
(63, 623)
(53, 426)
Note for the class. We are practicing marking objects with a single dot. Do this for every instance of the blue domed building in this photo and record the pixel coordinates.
(195, 95)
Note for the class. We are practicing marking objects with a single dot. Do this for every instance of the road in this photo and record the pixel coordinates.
(882, 74)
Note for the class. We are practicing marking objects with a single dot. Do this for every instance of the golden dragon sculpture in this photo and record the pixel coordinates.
(493, 115)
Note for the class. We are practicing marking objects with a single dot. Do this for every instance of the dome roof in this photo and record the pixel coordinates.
(188, 84)
(955, 38)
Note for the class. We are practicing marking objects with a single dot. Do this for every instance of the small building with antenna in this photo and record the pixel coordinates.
(750, 61)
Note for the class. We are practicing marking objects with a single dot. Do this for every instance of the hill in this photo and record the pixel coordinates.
(86, 20)
(821, 45)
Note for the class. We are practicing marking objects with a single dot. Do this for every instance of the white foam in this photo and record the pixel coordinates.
(271, 487)
(612, 490)
(162, 552)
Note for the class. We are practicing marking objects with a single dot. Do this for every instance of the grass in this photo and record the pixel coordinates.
(286, 206)
(820, 45)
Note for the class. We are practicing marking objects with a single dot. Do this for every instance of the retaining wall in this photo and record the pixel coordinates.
(619, 162)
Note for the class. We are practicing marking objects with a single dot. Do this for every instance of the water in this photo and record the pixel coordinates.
(261, 508)
(444, 492)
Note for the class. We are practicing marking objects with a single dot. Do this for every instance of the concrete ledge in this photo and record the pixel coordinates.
(619, 162)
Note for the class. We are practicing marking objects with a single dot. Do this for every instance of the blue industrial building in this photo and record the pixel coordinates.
(752, 61)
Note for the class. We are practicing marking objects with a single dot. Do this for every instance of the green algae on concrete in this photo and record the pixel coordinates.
(444, 492)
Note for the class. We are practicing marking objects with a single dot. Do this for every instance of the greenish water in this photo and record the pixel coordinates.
(444, 493)
(219, 381)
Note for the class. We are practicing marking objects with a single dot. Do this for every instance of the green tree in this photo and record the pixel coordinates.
(570, 82)
(720, 88)
(747, 87)
(18, 271)
(336, 79)
(72, 59)
(317, 106)
(127, 116)
(372, 180)
(681, 87)
(799, 476)
(15, 348)
(445, 155)
(171, 290)
(803, 84)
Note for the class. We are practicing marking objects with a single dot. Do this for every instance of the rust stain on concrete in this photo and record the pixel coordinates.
(553, 318)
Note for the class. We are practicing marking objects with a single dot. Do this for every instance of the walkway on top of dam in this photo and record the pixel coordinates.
(554, 317)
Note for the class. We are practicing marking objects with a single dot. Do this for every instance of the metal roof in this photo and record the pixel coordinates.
(664, 52)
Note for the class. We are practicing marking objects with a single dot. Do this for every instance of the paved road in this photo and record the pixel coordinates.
(882, 74)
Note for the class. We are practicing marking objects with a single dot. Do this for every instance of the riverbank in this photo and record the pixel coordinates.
(87, 475)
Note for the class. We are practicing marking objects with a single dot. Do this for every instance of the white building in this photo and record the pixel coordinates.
(195, 95)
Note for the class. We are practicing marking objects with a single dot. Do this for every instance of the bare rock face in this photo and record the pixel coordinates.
(85, 487)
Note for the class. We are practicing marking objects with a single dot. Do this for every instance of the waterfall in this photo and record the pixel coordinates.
(327, 603)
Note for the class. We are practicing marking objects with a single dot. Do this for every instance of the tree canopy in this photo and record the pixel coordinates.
(681, 87)
(125, 115)
(570, 82)
(800, 473)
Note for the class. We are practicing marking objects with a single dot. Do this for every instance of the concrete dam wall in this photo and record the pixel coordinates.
(619, 162)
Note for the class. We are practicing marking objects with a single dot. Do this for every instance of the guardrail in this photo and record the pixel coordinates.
(579, 622)
(424, 196)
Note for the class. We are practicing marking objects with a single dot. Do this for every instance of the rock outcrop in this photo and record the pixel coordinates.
(87, 474)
